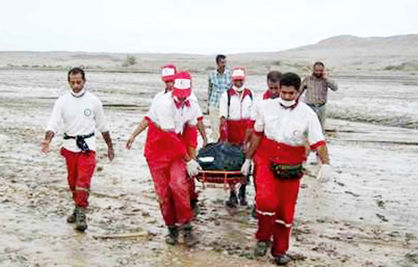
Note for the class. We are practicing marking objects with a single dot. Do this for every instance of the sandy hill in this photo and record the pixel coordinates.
(342, 54)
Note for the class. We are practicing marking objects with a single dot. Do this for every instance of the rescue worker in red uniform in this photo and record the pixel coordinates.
(169, 150)
(273, 91)
(283, 126)
(235, 110)
(78, 113)
(168, 73)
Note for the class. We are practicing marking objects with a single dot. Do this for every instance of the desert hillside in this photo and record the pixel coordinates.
(345, 54)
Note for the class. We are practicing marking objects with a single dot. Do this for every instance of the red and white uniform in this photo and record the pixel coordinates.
(285, 132)
(238, 113)
(171, 129)
(78, 116)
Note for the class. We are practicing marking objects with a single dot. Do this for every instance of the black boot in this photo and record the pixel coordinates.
(232, 202)
(189, 238)
(242, 195)
(172, 236)
(80, 219)
(261, 247)
(71, 217)
(282, 259)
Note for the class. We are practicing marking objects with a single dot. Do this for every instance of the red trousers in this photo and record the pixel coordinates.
(275, 202)
(80, 169)
(173, 190)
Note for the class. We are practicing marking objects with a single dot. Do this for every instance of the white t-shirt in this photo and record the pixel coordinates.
(78, 116)
(293, 127)
(168, 117)
(240, 106)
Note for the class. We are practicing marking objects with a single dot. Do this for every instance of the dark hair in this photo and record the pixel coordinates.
(219, 57)
(76, 70)
(290, 79)
(274, 76)
(318, 63)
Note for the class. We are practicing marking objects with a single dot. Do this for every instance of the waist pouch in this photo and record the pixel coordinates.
(286, 172)
(79, 140)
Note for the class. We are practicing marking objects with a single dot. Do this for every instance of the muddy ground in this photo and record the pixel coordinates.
(365, 216)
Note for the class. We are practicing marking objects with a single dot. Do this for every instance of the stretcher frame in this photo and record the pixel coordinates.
(213, 178)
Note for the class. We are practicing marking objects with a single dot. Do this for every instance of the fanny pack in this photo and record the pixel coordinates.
(81, 143)
(286, 172)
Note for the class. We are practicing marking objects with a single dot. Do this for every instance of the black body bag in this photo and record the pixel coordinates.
(221, 156)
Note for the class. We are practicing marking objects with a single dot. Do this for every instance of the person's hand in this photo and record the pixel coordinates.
(110, 153)
(129, 142)
(192, 168)
(325, 75)
(324, 174)
(45, 146)
(245, 168)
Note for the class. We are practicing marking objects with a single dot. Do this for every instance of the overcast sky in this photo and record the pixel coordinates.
(195, 26)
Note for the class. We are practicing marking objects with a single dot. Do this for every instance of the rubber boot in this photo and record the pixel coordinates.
(242, 195)
(232, 202)
(71, 217)
(189, 239)
(260, 249)
(80, 219)
(282, 259)
(172, 236)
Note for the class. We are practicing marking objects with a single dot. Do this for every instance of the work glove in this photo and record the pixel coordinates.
(324, 174)
(245, 168)
(193, 168)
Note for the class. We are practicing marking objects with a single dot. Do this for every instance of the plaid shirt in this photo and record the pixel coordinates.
(218, 83)
(317, 89)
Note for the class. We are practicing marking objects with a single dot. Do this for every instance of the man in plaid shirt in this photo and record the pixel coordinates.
(219, 82)
(316, 87)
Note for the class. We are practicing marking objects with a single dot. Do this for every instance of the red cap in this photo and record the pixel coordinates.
(168, 72)
(238, 73)
(182, 85)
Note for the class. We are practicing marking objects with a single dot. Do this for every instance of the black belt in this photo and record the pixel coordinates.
(79, 139)
(317, 105)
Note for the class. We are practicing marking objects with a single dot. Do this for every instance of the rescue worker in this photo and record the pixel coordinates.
(168, 73)
(235, 107)
(273, 91)
(78, 113)
(171, 136)
(167, 76)
(283, 127)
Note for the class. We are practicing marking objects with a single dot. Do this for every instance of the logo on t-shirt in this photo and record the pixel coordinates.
(87, 112)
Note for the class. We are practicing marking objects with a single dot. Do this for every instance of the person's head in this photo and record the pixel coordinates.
(221, 61)
(273, 83)
(76, 78)
(289, 86)
(182, 87)
(318, 69)
(238, 78)
(167, 75)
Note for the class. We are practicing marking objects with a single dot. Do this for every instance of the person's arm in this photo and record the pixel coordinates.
(108, 140)
(46, 141)
(202, 131)
(303, 86)
(103, 127)
(210, 88)
(141, 127)
(331, 84)
(52, 127)
(323, 154)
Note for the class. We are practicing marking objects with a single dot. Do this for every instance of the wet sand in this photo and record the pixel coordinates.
(365, 216)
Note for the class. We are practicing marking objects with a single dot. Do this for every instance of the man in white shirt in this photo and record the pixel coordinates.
(167, 76)
(168, 73)
(283, 127)
(78, 113)
(170, 153)
(235, 110)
